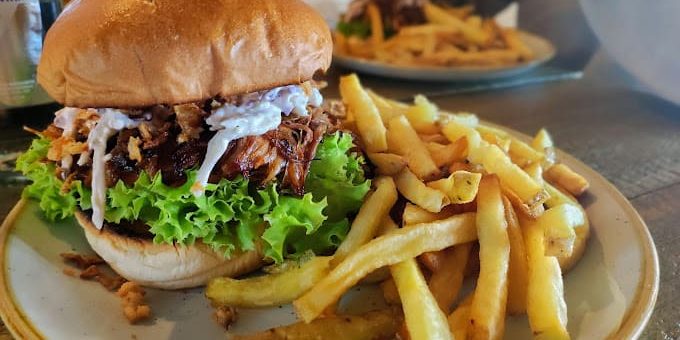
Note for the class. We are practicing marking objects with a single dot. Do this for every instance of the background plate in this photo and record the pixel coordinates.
(542, 48)
(610, 292)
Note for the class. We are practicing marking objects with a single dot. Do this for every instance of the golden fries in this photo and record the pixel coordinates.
(460, 186)
(512, 40)
(368, 121)
(446, 281)
(372, 325)
(444, 155)
(546, 308)
(377, 30)
(386, 250)
(543, 142)
(487, 312)
(403, 140)
(417, 192)
(365, 226)
(558, 225)
(387, 163)
(464, 182)
(522, 154)
(458, 320)
(268, 290)
(566, 178)
(388, 108)
(518, 272)
(424, 319)
(414, 214)
(423, 115)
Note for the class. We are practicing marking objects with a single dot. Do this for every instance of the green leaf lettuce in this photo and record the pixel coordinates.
(232, 214)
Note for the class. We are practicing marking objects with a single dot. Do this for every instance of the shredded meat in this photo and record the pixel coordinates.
(134, 307)
(225, 316)
(89, 270)
(171, 140)
(190, 119)
(81, 261)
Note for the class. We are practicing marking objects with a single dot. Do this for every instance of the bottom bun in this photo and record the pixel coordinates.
(162, 265)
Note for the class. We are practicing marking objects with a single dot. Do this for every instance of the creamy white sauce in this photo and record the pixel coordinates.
(66, 120)
(110, 122)
(259, 113)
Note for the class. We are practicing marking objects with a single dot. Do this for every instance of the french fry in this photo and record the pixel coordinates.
(455, 130)
(518, 272)
(387, 164)
(434, 138)
(535, 171)
(502, 142)
(461, 12)
(377, 30)
(388, 108)
(444, 155)
(557, 198)
(414, 214)
(558, 224)
(567, 261)
(382, 324)
(368, 220)
(513, 41)
(487, 312)
(445, 283)
(392, 248)
(423, 115)
(533, 212)
(460, 187)
(424, 319)
(464, 118)
(403, 140)
(417, 192)
(340, 43)
(458, 320)
(543, 142)
(567, 178)
(368, 121)
(438, 15)
(522, 154)
(268, 290)
(546, 308)
(512, 176)
(359, 47)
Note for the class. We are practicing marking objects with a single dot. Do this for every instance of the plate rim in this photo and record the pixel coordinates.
(14, 318)
(468, 72)
(632, 325)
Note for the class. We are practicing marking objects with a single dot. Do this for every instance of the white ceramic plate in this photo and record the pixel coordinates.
(611, 291)
(542, 48)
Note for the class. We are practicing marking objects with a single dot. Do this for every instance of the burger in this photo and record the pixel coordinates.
(194, 141)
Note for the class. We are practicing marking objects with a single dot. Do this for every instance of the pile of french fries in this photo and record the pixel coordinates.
(480, 202)
(451, 37)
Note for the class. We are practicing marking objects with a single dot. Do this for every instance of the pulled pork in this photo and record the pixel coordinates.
(173, 139)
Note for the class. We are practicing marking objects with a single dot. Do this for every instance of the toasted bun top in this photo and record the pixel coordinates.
(132, 53)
